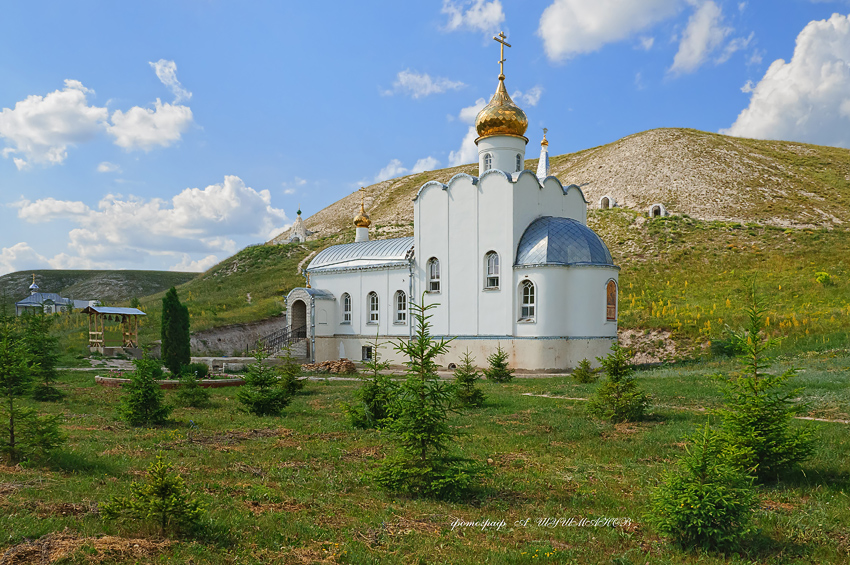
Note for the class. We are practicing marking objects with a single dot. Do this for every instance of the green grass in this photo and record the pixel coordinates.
(293, 489)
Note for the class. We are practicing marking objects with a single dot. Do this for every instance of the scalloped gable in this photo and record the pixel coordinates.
(475, 180)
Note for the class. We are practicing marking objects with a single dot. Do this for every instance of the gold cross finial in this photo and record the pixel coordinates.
(362, 196)
(33, 278)
(501, 39)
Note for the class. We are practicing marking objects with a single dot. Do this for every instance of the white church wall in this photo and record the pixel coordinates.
(358, 284)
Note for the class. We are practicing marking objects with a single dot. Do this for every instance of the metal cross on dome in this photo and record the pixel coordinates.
(501, 39)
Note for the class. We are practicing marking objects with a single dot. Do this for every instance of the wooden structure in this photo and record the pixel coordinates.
(127, 317)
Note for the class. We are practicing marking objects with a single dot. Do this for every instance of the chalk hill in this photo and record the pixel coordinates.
(703, 175)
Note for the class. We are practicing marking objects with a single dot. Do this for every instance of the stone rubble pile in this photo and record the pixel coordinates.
(340, 367)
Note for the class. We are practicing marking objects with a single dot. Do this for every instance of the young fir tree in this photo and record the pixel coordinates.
(583, 373)
(290, 373)
(498, 370)
(619, 399)
(759, 408)
(372, 400)
(162, 499)
(705, 501)
(174, 333)
(466, 375)
(43, 357)
(143, 401)
(263, 393)
(23, 434)
(190, 391)
(422, 464)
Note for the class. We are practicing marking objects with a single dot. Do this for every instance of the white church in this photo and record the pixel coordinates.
(506, 255)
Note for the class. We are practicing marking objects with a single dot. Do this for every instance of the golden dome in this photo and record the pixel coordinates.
(501, 116)
(545, 142)
(362, 219)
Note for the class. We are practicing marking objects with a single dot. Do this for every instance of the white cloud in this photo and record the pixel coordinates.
(425, 164)
(195, 221)
(21, 256)
(143, 128)
(736, 44)
(808, 98)
(646, 43)
(476, 15)
(528, 98)
(41, 128)
(166, 72)
(748, 87)
(395, 168)
(756, 58)
(468, 151)
(48, 209)
(186, 264)
(107, 167)
(20, 164)
(418, 85)
(571, 27)
(289, 191)
(702, 36)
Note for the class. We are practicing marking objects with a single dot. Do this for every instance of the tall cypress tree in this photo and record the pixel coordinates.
(175, 332)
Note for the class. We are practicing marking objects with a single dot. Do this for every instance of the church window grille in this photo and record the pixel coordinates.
(346, 308)
(433, 275)
(611, 302)
(492, 270)
(488, 161)
(366, 353)
(518, 162)
(400, 307)
(373, 307)
(528, 301)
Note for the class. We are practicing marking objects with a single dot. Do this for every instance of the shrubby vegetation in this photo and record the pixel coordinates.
(498, 371)
(706, 501)
(619, 398)
(423, 464)
(759, 409)
(371, 405)
(584, 373)
(162, 500)
(143, 401)
(466, 375)
(263, 394)
(175, 333)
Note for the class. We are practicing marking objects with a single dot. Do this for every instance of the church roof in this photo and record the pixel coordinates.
(561, 241)
(363, 255)
(40, 298)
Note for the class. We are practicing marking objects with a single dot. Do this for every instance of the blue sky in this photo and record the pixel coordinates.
(168, 135)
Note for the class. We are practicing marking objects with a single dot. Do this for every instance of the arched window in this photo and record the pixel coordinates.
(518, 162)
(527, 300)
(400, 307)
(346, 308)
(372, 300)
(488, 161)
(433, 275)
(611, 302)
(492, 264)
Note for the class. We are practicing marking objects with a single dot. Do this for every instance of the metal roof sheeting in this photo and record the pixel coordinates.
(363, 255)
(40, 298)
(110, 310)
(561, 241)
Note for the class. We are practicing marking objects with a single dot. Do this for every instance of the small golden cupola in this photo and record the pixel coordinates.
(362, 221)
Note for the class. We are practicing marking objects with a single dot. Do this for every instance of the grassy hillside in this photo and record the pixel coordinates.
(107, 286)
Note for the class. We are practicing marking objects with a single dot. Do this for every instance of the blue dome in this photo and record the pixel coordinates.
(561, 241)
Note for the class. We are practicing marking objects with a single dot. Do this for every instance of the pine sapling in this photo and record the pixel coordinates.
(263, 393)
(143, 401)
(466, 375)
(162, 500)
(371, 406)
(759, 410)
(190, 392)
(584, 373)
(291, 373)
(618, 399)
(498, 370)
